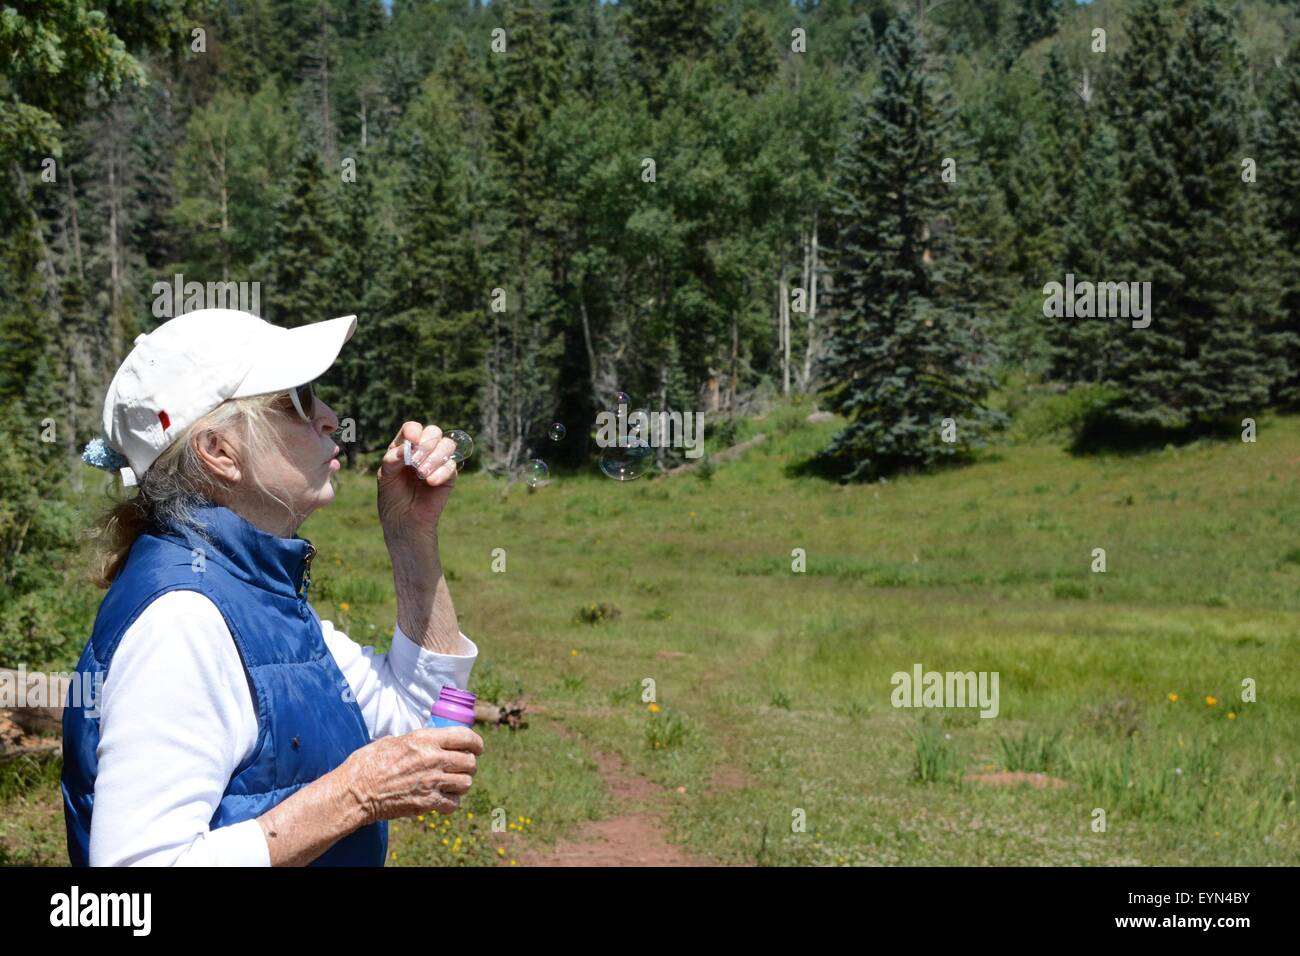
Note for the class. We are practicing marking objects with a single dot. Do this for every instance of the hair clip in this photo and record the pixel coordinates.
(98, 454)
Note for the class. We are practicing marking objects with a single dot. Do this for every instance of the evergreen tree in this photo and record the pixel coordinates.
(436, 293)
(1083, 171)
(526, 85)
(302, 250)
(27, 357)
(983, 247)
(904, 352)
(1193, 229)
(662, 31)
(1036, 19)
(1278, 172)
(750, 60)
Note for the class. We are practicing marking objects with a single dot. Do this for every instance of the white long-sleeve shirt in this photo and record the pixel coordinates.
(178, 716)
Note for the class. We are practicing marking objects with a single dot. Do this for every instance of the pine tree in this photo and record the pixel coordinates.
(750, 59)
(1193, 229)
(526, 85)
(302, 250)
(1278, 173)
(904, 352)
(27, 357)
(1036, 19)
(435, 289)
(1083, 171)
(982, 244)
(661, 31)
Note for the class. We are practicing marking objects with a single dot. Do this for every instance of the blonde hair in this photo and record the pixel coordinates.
(178, 481)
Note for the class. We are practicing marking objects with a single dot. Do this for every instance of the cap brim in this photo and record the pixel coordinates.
(296, 356)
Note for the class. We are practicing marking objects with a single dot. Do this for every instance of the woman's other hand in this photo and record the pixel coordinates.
(427, 770)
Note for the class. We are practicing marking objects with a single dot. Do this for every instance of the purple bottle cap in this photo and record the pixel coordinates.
(455, 704)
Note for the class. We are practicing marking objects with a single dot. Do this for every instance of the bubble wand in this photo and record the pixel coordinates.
(464, 447)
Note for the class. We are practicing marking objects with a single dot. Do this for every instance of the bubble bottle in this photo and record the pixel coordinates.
(453, 708)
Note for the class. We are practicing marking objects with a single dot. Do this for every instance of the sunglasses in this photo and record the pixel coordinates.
(304, 402)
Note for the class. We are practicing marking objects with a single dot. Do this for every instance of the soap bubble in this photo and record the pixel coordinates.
(556, 431)
(622, 398)
(536, 473)
(464, 444)
(626, 464)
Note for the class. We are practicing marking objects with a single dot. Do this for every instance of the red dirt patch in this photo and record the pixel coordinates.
(1015, 778)
(635, 837)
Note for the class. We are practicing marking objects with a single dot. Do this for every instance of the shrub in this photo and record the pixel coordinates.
(664, 730)
(595, 613)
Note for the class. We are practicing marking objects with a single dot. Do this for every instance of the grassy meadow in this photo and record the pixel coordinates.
(773, 687)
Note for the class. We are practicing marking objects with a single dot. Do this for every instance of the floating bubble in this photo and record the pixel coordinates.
(556, 431)
(627, 463)
(536, 473)
(464, 444)
(622, 398)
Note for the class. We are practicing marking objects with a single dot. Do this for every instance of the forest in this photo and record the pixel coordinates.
(710, 206)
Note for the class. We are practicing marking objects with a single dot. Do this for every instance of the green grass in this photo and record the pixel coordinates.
(786, 676)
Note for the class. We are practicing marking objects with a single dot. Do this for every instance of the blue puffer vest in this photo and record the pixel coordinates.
(308, 722)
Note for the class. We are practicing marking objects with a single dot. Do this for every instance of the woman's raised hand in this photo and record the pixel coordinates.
(411, 499)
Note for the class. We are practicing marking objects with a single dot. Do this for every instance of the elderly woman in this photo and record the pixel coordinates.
(234, 726)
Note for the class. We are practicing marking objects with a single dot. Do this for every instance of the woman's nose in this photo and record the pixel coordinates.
(330, 420)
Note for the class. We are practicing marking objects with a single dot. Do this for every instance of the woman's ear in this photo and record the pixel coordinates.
(219, 456)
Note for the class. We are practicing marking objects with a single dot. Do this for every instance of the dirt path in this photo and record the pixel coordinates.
(635, 836)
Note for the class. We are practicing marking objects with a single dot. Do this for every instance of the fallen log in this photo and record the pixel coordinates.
(46, 750)
(52, 689)
(510, 715)
(735, 451)
(16, 742)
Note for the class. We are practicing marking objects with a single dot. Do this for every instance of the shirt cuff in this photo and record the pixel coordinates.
(424, 673)
(240, 844)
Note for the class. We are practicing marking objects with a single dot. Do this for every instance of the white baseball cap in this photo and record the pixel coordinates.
(189, 365)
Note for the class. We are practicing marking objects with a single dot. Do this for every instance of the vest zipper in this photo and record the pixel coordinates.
(306, 573)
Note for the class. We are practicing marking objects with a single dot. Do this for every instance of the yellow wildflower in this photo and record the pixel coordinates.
(1173, 698)
(1211, 702)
